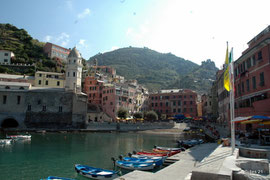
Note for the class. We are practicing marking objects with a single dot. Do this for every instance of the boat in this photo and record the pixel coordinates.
(5, 141)
(157, 160)
(57, 178)
(18, 137)
(135, 165)
(151, 153)
(166, 153)
(190, 143)
(95, 173)
(167, 148)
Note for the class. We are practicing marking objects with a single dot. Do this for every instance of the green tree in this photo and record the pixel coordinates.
(151, 116)
(122, 113)
(138, 115)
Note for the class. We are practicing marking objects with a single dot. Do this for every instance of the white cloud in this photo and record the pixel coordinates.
(85, 13)
(82, 42)
(62, 39)
(47, 38)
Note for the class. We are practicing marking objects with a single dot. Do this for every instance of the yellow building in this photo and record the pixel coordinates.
(49, 79)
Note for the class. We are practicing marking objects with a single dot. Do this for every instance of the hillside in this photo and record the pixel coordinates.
(200, 79)
(26, 49)
(158, 71)
(154, 70)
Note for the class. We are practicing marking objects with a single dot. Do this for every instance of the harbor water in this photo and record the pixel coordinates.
(54, 154)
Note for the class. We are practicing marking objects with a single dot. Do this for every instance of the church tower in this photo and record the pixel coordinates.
(74, 71)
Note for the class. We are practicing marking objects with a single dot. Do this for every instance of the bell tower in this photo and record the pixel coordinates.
(74, 71)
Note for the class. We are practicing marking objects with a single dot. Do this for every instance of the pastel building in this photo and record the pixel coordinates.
(173, 102)
(49, 79)
(55, 51)
(252, 82)
(6, 56)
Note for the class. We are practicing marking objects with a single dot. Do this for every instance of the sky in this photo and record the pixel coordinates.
(195, 30)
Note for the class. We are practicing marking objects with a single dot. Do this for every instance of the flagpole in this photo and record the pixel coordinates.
(231, 74)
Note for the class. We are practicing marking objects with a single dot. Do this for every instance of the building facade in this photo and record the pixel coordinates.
(252, 82)
(174, 102)
(6, 56)
(55, 51)
(49, 79)
(23, 106)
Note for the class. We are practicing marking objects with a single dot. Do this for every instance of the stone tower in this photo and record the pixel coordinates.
(74, 71)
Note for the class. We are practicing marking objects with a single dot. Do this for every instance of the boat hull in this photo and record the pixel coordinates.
(95, 173)
(135, 165)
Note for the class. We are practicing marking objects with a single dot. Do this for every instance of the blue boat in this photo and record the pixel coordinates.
(95, 173)
(135, 165)
(57, 178)
(157, 160)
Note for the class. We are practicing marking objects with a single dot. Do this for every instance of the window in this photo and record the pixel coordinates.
(58, 83)
(18, 99)
(243, 90)
(22, 88)
(185, 110)
(56, 77)
(74, 74)
(6, 54)
(5, 60)
(68, 74)
(167, 104)
(262, 79)
(185, 102)
(44, 108)
(160, 104)
(174, 110)
(4, 99)
(184, 96)
(253, 60)
(190, 96)
(260, 55)
(174, 103)
(248, 63)
(247, 84)
(47, 82)
(191, 110)
(239, 89)
(152, 104)
(29, 107)
(179, 103)
(254, 82)
(7, 87)
(39, 101)
(156, 104)
(179, 110)
(39, 82)
(191, 102)
(60, 109)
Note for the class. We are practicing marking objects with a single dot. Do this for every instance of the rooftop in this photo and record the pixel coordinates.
(11, 76)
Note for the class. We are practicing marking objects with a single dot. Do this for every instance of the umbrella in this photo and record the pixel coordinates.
(241, 119)
(253, 121)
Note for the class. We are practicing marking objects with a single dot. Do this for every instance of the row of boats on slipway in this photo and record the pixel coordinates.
(10, 138)
(143, 160)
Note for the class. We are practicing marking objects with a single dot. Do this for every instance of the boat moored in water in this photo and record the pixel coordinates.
(135, 165)
(5, 141)
(95, 173)
(18, 137)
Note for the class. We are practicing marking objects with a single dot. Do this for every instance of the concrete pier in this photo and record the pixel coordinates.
(180, 169)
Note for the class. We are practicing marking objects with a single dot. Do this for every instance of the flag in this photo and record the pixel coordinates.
(226, 72)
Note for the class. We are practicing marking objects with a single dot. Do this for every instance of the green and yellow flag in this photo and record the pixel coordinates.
(226, 73)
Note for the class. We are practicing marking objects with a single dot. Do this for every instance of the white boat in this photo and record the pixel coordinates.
(19, 137)
(5, 141)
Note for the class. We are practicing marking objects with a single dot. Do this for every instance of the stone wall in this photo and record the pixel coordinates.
(107, 126)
